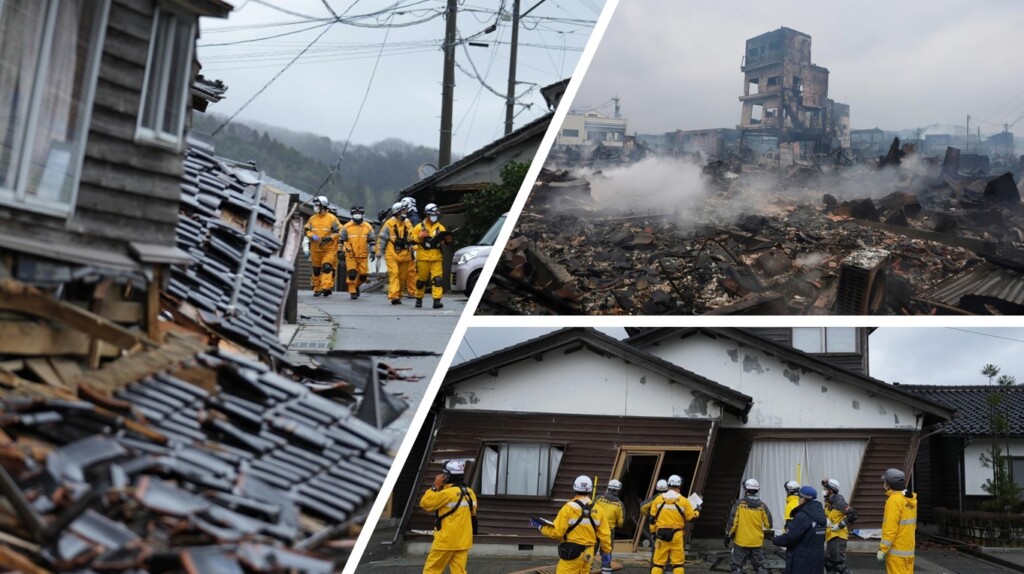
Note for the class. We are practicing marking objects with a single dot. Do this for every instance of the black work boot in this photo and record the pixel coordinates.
(396, 301)
(316, 293)
(353, 295)
(327, 293)
(419, 303)
(438, 304)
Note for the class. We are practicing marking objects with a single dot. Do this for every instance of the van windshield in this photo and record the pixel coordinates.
(492, 233)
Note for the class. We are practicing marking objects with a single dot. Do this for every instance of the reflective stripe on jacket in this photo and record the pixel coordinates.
(456, 531)
(584, 532)
(899, 524)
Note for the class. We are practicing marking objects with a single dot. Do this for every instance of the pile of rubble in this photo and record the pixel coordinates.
(932, 243)
(150, 427)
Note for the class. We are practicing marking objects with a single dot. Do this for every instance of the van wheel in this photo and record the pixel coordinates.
(471, 282)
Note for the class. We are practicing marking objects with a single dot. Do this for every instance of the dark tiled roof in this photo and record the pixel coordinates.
(208, 188)
(972, 408)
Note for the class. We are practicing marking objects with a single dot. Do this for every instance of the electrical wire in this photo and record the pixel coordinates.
(279, 9)
(271, 81)
(359, 112)
(986, 334)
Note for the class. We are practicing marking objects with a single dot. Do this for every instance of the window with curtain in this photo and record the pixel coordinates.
(774, 462)
(168, 78)
(49, 57)
(825, 339)
(518, 469)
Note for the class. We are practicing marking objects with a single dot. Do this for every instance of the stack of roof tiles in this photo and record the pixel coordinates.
(208, 188)
(168, 474)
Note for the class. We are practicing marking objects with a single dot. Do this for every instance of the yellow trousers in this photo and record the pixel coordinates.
(323, 281)
(356, 271)
(899, 564)
(410, 280)
(581, 565)
(438, 560)
(426, 271)
(397, 273)
(665, 552)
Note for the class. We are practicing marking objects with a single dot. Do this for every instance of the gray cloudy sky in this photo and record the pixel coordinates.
(676, 65)
(321, 92)
(932, 356)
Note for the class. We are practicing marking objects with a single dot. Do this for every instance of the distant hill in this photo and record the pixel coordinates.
(370, 175)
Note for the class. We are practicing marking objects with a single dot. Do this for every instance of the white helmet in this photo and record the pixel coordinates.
(432, 209)
(675, 480)
(831, 484)
(455, 466)
(614, 485)
(323, 200)
(751, 485)
(582, 484)
(661, 486)
(792, 487)
(397, 207)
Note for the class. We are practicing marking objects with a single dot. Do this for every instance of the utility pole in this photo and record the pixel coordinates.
(510, 98)
(444, 155)
(967, 137)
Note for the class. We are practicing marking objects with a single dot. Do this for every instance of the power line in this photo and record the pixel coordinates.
(271, 81)
(279, 9)
(359, 112)
(986, 335)
(466, 341)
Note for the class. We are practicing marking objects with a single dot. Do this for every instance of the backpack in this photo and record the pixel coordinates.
(463, 494)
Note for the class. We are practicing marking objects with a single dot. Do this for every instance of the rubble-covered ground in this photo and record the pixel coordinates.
(665, 237)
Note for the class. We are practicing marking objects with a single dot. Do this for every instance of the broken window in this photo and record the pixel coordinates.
(756, 113)
(775, 45)
(518, 469)
(168, 77)
(752, 85)
(571, 133)
(798, 84)
(825, 339)
(49, 52)
(773, 82)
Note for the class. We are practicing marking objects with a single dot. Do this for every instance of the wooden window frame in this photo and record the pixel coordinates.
(155, 135)
(478, 471)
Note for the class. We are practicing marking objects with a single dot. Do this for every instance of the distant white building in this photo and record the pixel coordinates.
(592, 128)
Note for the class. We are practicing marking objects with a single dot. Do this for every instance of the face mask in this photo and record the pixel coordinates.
(357, 217)
(433, 218)
(401, 217)
(317, 209)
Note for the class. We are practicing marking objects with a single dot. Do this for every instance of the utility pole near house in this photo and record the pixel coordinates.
(444, 155)
(510, 98)
(967, 138)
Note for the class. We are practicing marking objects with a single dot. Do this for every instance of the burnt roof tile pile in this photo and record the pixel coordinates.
(208, 189)
(170, 475)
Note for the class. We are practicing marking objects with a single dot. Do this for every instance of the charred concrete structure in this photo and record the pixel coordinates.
(785, 98)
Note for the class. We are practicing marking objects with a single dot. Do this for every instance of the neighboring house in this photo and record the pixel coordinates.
(94, 97)
(592, 128)
(712, 405)
(948, 472)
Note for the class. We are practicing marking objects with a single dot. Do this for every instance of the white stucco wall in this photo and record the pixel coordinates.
(785, 396)
(975, 475)
(582, 382)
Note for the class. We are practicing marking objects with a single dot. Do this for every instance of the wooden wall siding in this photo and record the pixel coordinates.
(885, 450)
(592, 445)
(937, 475)
(922, 480)
(732, 448)
(128, 192)
(406, 484)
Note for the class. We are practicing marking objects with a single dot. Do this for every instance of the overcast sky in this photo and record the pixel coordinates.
(932, 356)
(676, 65)
(322, 91)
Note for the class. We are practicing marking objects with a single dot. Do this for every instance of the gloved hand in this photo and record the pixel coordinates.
(727, 540)
(606, 559)
(534, 523)
(314, 237)
(373, 257)
(880, 556)
(696, 514)
(834, 526)
(439, 481)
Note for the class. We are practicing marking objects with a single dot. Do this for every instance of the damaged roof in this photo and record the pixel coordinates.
(972, 408)
(732, 400)
(805, 360)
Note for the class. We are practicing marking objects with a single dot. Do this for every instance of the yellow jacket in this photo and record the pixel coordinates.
(748, 520)
(323, 224)
(899, 524)
(394, 231)
(422, 231)
(456, 531)
(669, 516)
(611, 508)
(792, 501)
(357, 239)
(584, 534)
(836, 510)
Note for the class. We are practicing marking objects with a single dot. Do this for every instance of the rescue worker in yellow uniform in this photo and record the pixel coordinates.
(323, 229)
(357, 240)
(840, 515)
(645, 507)
(792, 488)
(747, 521)
(414, 218)
(899, 524)
(396, 241)
(454, 507)
(430, 235)
(612, 509)
(669, 514)
(581, 530)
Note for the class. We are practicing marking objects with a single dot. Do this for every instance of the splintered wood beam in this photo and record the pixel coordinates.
(16, 296)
